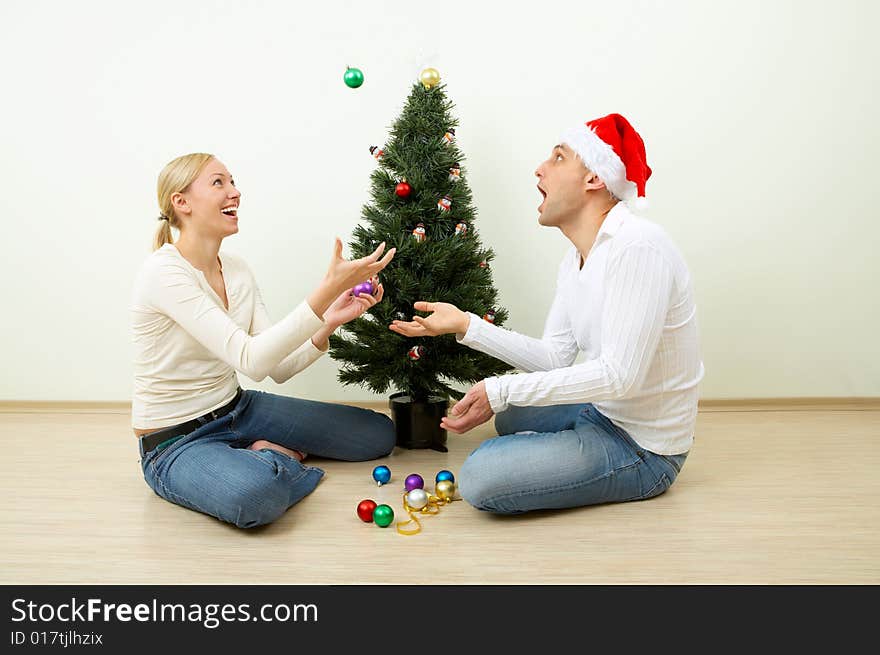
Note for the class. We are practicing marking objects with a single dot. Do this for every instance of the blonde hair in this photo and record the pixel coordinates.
(176, 177)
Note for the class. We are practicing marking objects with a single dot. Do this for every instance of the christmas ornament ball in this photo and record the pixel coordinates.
(381, 474)
(414, 481)
(445, 489)
(383, 515)
(403, 189)
(364, 287)
(444, 475)
(353, 77)
(365, 510)
(417, 498)
(430, 77)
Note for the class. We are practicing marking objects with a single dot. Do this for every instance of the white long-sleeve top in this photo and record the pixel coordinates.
(188, 346)
(630, 309)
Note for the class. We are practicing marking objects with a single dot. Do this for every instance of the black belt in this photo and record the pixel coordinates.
(157, 438)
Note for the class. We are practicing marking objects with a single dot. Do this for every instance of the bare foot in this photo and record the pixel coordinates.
(261, 444)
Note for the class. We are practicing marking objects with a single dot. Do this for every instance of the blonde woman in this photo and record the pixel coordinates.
(198, 319)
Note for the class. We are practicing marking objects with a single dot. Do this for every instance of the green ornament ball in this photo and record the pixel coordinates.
(353, 77)
(383, 515)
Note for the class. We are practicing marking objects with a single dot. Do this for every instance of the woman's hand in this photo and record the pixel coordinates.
(343, 274)
(345, 308)
(445, 319)
(348, 307)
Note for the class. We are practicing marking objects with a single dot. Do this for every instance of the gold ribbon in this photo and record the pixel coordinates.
(430, 509)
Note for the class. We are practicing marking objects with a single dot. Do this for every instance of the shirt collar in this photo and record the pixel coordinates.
(609, 227)
(612, 221)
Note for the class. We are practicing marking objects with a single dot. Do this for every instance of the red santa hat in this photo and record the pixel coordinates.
(612, 149)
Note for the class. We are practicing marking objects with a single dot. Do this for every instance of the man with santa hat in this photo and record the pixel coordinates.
(618, 425)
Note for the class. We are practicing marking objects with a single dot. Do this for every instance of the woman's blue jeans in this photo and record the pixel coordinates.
(569, 456)
(212, 471)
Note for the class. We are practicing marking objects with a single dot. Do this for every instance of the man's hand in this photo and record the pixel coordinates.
(470, 411)
(445, 319)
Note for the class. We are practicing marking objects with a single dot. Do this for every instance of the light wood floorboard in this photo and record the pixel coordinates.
(766, 497)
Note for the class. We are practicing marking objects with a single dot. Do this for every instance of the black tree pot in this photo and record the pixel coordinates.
(417, 423)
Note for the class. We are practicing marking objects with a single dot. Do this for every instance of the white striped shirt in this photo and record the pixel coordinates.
(630, 309)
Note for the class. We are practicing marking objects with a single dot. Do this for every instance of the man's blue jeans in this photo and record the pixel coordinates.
(211, 470)
(571, 456)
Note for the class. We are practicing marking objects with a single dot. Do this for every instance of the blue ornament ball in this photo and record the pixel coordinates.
(381, 474)
(445, 475)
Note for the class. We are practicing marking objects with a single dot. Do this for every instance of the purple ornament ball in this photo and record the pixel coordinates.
(414, 481)
(363, 287)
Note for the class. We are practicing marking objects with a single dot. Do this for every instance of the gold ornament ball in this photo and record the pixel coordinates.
(445, 489)
(430, 77)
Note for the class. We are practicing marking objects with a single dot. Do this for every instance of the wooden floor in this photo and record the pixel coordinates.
(766, 497)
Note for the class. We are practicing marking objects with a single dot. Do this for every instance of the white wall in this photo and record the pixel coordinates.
(759, 119)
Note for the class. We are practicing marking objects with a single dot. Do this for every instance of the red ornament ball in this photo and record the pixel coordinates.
(403, 189)
(365, 510)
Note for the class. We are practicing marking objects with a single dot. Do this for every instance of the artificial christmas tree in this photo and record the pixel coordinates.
(439, 258)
